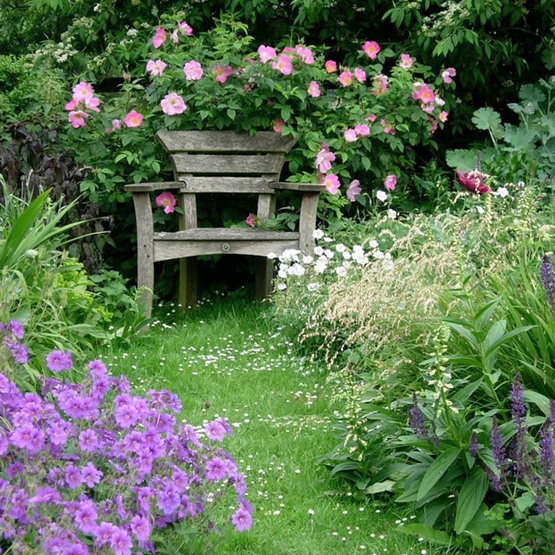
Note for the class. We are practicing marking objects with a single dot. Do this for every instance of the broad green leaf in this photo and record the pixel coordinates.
(485, 313)
(495, 333)
(506, 337)
(462, 160)
(541, 401)
(386, 485)
(466, 392)
(465, 332)
(486, 118)
(531, 94)
(436, 470)
(342, 467)
(525, 501)
(470, 498)
(21, 228)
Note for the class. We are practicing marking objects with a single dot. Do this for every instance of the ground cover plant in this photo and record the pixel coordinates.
(434, 334)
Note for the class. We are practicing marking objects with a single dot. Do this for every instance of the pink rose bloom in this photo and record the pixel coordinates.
(159, 37)
(92, 104)
(422, 92)
(172, 104)
(266, 53)
(185, 28)
(330, 66)
(283, 64)
(252, 220)
(72, 104)
(116, 124)
(371, 49)
(331, 181)
(353, 190)
(350, 135)
(434, 125)
(324, 159)
(82, 91)
(155, 67)
(406, 61)
(305, 55)
(133, 119)
(443, 116)
(279, 124)
(360, 75)
(345, 78)
(380, 84)
(77, 118)
(167, 201)
(193, 71)
(175, 36)
(390, 182)
(428, 108)
(314, 89)
(362, 130)
(371, 118)
(222, 73)
(448, 74)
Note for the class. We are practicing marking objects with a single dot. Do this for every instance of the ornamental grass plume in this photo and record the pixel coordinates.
(92, 468)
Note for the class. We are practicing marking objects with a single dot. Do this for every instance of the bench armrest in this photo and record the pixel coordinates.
(147, 187)
(303, 187)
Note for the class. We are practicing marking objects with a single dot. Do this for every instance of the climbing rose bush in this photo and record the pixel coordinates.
(91, 468)
(357, 121)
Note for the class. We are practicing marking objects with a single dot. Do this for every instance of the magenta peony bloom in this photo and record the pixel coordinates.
(474, 181)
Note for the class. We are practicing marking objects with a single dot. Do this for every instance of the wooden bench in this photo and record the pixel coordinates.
(219, 162)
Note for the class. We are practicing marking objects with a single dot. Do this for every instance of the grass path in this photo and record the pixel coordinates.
(226, 360)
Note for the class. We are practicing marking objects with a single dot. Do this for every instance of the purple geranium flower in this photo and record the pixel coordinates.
(242, 520)
(57, 361)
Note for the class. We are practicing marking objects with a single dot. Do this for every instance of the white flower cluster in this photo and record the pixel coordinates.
(327, 258)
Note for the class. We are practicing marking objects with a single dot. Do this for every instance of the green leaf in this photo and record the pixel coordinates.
(486, 118)
(342, 467)
(463, 160)
(426, 532)
(525, 501)
(541, 401)
(495, 333)
(436, 470)
(379, 487)
(504, 338)
(465, 332)
(470, 498)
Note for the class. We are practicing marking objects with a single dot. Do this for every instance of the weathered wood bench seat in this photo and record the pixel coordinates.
(220, 162)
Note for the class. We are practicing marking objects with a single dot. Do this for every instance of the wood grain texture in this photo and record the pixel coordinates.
(228, 164)
(224, 141)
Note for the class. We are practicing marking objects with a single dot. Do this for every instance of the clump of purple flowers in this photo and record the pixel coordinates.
(89, 467)
(521, 460)
(10, 336)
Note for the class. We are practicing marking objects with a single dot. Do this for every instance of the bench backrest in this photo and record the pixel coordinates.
(225, 161)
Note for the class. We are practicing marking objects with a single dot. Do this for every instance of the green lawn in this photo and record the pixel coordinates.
(224, 359)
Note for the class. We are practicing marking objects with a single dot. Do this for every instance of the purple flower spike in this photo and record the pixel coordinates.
(548, 280)
(499, 457)
(473, 445)
(416, 419)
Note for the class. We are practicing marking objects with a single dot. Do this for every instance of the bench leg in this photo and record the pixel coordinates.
(264, 273)
(187, 282)
(145, 281)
